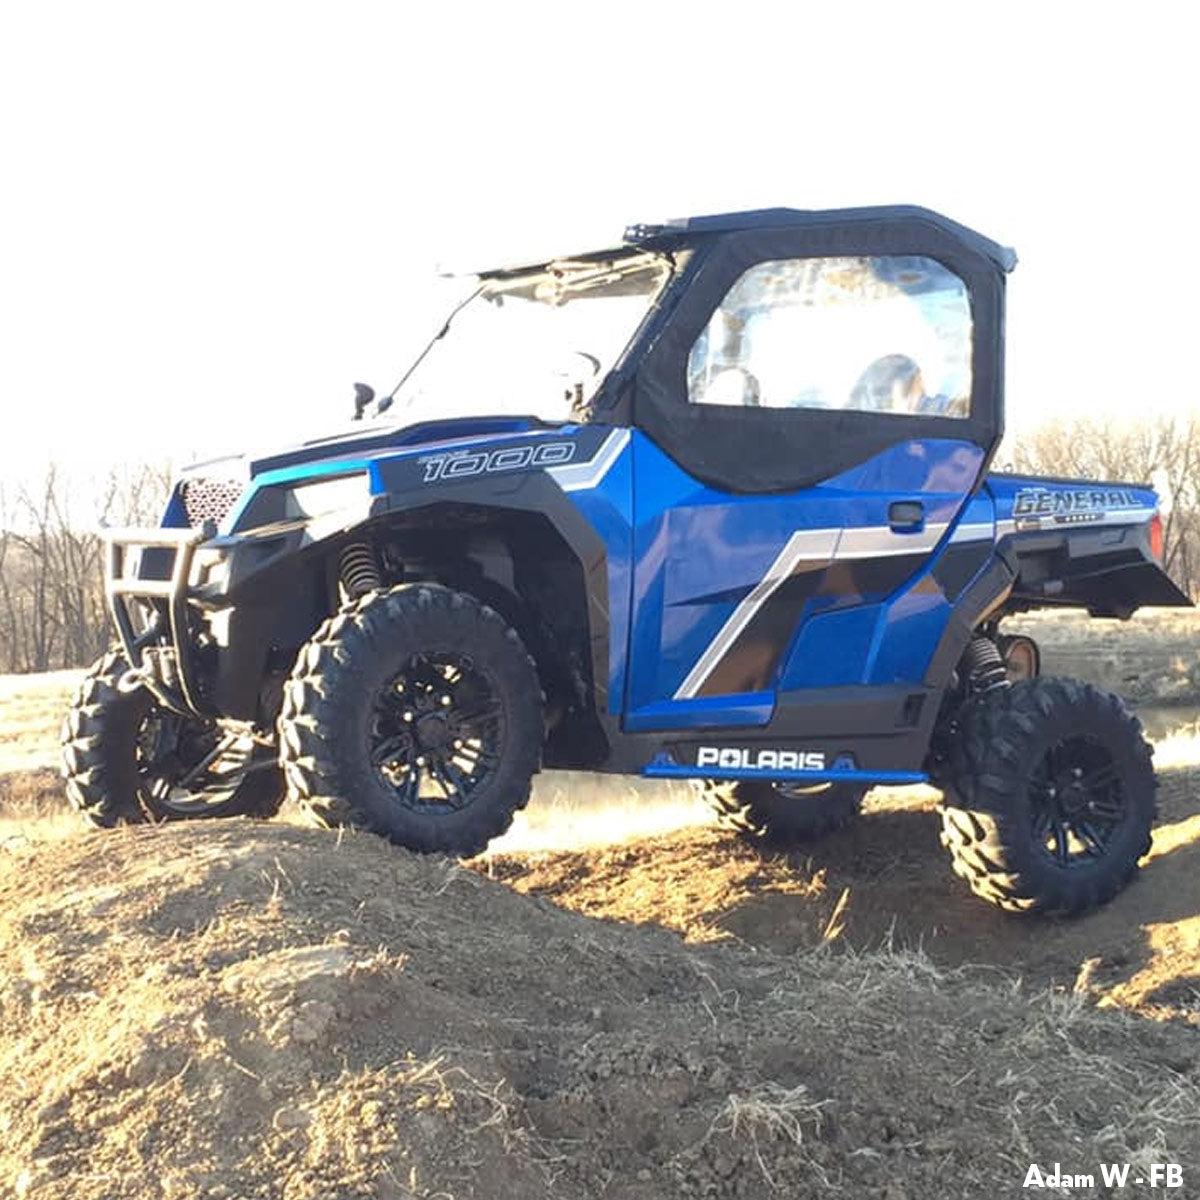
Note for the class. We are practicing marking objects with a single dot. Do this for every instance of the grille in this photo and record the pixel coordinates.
(208, 499)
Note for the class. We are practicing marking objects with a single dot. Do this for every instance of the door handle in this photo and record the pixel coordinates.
(906, 516)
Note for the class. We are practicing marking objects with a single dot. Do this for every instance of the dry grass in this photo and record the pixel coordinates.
(1180, 625)
(31, 801)
(773, 1113)
(31, 711)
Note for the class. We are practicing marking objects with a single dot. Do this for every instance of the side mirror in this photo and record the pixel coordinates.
(364, 393)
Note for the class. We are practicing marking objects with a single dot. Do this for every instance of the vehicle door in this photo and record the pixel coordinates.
(812, 426)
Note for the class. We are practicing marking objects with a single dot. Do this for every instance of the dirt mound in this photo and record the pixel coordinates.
(237, 1010)
(885, 883)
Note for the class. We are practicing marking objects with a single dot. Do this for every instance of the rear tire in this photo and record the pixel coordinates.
(1053, 798)
(124, 755)
(780, 815)
(415, 713)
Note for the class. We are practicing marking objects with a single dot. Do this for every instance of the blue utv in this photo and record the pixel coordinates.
(711, 503)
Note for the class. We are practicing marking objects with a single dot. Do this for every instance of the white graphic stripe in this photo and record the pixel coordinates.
(881, 541)
(817, 545)
(577, 477)
(978, 532)
(814, 544)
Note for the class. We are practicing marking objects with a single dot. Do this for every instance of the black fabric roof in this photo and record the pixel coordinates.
(690, 229)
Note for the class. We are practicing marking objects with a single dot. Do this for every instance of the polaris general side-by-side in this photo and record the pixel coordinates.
(712, 503)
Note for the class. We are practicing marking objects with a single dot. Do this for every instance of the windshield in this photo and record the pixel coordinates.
(537, 344)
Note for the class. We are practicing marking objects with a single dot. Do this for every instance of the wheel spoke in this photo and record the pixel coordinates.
(1043, 789)
(159, 788)
(391, 749)
(1093, 843)
(410, 786)
(478, 758)
(1108, 807)
(455, 797)
(1043, 822)
(476, 725)
(471, 750)
(461, 785)
(1101, 777)
(1061, 849)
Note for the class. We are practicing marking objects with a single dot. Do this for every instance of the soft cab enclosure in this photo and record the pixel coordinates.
(790, 444)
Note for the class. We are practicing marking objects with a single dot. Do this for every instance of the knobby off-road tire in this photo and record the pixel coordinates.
(1053, 797)
(414, 712)
(123, 754)
(781, 815)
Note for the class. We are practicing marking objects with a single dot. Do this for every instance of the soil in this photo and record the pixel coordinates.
(884, 884)
(250, 1010)
(262, 1011)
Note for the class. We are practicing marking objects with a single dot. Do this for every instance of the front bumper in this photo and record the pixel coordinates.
(154, 567)
(205, 618)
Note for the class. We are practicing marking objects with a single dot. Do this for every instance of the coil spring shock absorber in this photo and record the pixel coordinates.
(984, 666)
(358, 570)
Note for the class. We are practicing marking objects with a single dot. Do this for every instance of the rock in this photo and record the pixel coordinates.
(311, 1022)
(291, 1118)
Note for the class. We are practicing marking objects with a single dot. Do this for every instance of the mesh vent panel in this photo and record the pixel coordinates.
(209, 499)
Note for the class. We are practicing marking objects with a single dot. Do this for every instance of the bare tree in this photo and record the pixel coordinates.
(52, 609)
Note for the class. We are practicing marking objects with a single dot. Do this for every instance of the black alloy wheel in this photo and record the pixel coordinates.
(189, 768)
(1077, 801)
(437, 730)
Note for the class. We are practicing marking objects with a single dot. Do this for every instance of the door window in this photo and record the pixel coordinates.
(871, 334)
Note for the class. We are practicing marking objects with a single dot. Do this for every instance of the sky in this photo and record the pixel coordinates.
(215, 218)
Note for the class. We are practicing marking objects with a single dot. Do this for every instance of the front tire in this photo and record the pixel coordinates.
(780, 815)
(1053, 797)
(416, 713)
(127, 760)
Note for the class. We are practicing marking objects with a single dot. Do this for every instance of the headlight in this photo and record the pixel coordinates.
(323, 496)
(280, 502)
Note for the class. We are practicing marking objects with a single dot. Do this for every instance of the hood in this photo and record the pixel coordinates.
(356, 442)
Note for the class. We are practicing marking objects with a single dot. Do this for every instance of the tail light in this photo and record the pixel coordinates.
(1156, 537)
